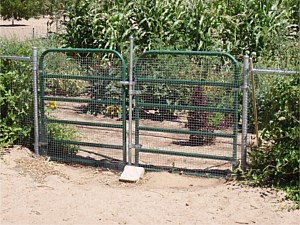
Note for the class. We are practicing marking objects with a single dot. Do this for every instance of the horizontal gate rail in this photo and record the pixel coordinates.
(187, 107)
(186, 132)
(81, 77)
(188, 82)
(80, 100)
(87, 144)
(186, 154)
(85, 123)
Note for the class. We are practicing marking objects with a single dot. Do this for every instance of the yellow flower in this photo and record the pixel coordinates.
(52, 105)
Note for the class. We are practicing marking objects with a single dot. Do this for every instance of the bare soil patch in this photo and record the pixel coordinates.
(37, 191)
(24, 29)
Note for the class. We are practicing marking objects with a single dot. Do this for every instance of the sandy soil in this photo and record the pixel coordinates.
(26, 29)
(36, 191)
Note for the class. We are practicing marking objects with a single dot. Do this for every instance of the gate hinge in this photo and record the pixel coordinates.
(40, 71)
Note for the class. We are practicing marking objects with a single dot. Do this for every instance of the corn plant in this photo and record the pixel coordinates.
(233, 26)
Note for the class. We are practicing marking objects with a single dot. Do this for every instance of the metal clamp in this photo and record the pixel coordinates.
(238, 88)
(138, 146)
(124, 82)
(134, 92)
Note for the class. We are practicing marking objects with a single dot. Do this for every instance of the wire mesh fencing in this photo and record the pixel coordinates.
(83, 106)
(273, 97)
(186, 112)
(185, 108)
(16, 101)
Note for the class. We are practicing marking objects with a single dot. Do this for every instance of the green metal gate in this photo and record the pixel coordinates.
(83, 106)
(186, 111)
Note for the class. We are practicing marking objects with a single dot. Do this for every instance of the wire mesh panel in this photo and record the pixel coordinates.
(186, 111)
(83, 106)
(16, 101)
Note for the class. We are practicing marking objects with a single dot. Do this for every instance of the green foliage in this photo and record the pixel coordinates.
(18, 9)
(15, 97)
(277, 162)
(61, 132)
(281, 122)
(63, 65)
(233, 26)
(25, 9)
(12, 110)
(215, 119)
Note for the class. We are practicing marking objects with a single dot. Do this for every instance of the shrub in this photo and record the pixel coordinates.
(277, 161)
(200, 120)
(15, 97)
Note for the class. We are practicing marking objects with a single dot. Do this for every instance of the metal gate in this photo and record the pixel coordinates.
(186, 111)
(83, 106)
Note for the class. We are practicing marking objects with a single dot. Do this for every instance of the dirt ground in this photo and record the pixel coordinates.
(26, 29)
(36, 191)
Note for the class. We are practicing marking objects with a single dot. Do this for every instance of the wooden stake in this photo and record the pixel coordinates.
(254, 100)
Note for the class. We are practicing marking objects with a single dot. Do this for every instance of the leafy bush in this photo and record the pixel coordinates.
(62, 133)
(277, 161)
(60, 63)
(15, 97)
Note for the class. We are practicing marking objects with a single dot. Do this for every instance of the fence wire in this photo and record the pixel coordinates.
(265, 84)
(83, 109)
(16, 101)
(186, 112)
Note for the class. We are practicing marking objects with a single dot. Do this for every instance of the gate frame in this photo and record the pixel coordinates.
(235, 86)
(42, 134)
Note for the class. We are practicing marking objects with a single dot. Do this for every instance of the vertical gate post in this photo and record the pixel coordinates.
(35, 100)
(130, 102)
(245, 113)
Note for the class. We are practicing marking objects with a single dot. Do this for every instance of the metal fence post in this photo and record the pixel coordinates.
(35, 100)
(130, 102)
(245, 113)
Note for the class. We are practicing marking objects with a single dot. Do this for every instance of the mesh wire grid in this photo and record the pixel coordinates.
(16, 105)
(83, 111)
(187, 112)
